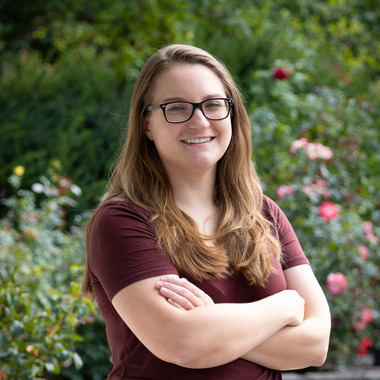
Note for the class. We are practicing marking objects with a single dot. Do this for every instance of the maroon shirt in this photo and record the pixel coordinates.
(123, 250)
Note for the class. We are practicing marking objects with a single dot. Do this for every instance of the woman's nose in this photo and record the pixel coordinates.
(198, 120)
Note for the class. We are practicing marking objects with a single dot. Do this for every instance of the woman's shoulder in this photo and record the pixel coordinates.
(271, 209)
(116, 207)
(274, 214)
(120, 212)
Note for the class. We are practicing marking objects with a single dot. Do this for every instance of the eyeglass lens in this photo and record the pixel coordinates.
(213, 109)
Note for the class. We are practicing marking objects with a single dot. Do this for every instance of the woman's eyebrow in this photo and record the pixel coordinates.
(180, 98)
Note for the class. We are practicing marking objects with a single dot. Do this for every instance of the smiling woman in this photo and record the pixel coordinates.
(197, 274)
(204, 127)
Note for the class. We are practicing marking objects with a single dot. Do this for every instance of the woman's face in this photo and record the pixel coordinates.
(194, 146)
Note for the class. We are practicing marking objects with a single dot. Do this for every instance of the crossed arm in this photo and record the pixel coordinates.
(306, 344)
(191, 331)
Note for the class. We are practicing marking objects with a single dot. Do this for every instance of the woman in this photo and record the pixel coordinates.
(196, 273)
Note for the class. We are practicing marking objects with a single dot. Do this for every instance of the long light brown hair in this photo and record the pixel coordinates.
(243, 242)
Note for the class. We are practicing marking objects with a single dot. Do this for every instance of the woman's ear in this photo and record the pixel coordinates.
(147, 131)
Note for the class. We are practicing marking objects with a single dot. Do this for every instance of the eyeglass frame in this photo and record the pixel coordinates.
(199, 105)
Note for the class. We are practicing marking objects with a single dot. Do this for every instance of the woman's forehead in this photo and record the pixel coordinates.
(187, 80)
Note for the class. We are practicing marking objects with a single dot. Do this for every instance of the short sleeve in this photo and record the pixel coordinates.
(293, 254)
(122, 248)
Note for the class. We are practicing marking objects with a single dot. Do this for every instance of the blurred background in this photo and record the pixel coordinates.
(309, 72)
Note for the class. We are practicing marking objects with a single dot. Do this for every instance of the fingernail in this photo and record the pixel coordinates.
(164, 291)
(159, 284)
(164, 279)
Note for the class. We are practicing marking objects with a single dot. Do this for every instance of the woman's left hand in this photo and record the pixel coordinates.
(181, 293)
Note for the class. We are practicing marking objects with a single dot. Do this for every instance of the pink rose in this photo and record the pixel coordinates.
(367, 227)
(298, 144)
(363, 251)
(284, 191)
(314, 151)
(336, 283)
(328, 211)
(316, 190)
(366, 314)
(365, 318)
(318, 151)
(280, 73)
(359, 326)
(368, 231)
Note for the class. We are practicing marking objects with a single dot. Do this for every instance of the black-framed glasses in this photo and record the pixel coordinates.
(181, 111)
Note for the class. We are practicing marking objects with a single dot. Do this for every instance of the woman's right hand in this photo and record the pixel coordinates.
(181, 293)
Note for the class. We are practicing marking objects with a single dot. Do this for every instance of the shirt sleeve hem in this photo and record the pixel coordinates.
(139, 277)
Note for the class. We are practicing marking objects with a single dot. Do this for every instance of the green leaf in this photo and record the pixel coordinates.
(77, 361)
(17, 328)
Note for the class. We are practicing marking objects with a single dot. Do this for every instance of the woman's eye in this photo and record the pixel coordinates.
(175, 107)
(213, 104)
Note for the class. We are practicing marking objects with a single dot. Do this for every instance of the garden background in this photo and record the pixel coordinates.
(310, 74)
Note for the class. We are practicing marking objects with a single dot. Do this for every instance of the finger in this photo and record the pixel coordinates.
(177, 298)
(197, 292)
(183, 292)
(182, 302)
(201, 298)
(178, 306)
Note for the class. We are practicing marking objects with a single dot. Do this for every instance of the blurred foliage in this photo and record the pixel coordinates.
(68, 67)
(45, 324)
(66, 75)
(290, 119)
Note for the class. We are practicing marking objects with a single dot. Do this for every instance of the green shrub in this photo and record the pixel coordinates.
(68, 68)
(72, 112)
(317, 153)
(43, 317)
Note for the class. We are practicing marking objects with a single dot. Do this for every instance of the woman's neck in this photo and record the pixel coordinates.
(194, 196)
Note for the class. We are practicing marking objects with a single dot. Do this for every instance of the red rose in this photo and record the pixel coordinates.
(364, 345)
(336, 283)
(328, 211)
(280, 73)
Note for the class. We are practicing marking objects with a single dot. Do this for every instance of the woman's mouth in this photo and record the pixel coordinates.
(198, 141)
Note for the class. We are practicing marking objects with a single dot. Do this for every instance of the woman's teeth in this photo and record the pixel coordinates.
(197, 141)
